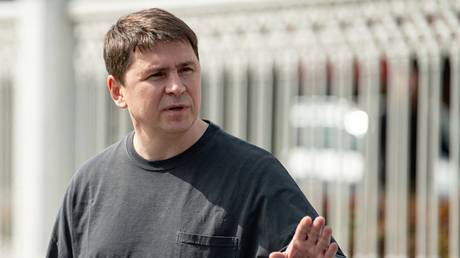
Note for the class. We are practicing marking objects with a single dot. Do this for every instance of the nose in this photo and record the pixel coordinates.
(175, 85)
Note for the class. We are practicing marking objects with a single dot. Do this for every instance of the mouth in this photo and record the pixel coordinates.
(175, 108)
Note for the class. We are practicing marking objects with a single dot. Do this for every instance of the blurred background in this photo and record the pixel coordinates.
(359, 99)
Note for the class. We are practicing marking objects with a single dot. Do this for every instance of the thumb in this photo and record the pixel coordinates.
(278, 255)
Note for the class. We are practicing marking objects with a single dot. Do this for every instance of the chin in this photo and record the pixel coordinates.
(178, 126)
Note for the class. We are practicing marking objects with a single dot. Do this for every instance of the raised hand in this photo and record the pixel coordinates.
(312, 239)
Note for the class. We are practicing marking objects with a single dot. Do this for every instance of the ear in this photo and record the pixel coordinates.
(116, 91)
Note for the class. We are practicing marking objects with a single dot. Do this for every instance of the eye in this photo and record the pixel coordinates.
(186, 69)
(156, 75)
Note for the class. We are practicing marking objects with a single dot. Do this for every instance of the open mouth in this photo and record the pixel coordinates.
(175, 108)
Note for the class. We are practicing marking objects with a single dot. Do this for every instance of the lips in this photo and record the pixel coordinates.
(175, 107)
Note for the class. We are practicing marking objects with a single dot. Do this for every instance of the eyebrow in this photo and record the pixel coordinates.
(155, 69)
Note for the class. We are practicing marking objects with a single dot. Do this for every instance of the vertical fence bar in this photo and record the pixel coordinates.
(3, 151)
(381, 37)
(318, 142)
(333, 190)
(340, 200)
(391, 194)
(345, 75)
(304, 96)
(368, 189)
(238, 87)
(7, 161)
(102, 112)
(404, 138)
(317, 95)
(396, 208)
(4, 195)
(261, 101)
(8, 39)
(428, 142)
(205, 79)
(6, 96)
(311, 185)
(81, 107)
(87, 80)
(399, 87)
(454, 147)
(434, 148)
(215, 69)
(84, 118)
(397, 155)
(422, 155)
(287, 65)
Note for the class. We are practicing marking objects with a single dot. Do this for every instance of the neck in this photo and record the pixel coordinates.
(154, 146)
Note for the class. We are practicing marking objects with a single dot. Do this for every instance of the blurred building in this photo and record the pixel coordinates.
(359, 99)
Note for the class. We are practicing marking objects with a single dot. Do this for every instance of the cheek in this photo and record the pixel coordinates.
(196, 90)
(148, 99)
(195, 94)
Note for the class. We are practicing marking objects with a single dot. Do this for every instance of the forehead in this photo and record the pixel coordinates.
(163, 53)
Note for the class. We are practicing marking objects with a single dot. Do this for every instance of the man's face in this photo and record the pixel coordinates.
(162, 88)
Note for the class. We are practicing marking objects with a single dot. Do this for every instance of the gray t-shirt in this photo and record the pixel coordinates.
(220, 198)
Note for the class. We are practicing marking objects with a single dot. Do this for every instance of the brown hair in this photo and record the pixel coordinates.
(140, 31)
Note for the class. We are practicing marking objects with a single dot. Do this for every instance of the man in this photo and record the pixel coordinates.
(178, 186)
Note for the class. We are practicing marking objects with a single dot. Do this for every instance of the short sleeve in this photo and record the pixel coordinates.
(281, 205)
(60, 244)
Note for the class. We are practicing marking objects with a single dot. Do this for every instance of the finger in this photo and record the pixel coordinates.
(315, 230)
(302, 229)
(277, 255)
(324, 240)
(331, 251)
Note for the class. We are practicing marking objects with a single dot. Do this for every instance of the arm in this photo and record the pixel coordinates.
(60, 244)
(281, 206)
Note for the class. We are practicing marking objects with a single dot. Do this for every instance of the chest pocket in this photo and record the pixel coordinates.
(200, 246)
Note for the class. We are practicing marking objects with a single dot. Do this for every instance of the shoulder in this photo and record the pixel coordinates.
(253, 160)
(93, 168)
(235, 147)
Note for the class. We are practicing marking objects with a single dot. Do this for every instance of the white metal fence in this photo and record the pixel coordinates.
(360, 100)
(295, 80)
(6, 105)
